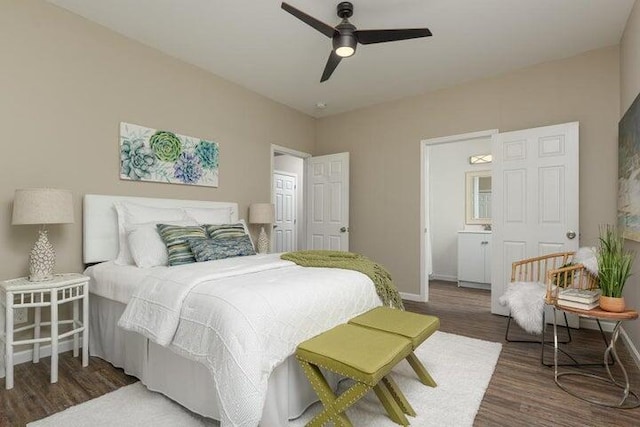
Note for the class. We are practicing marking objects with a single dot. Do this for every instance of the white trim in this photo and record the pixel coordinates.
(592, 324)
(425, 145)
(424, 220)
(460, 137)
(635, 355)
(608, 327)
(412, 297)
(444, 277)
(290, 151)
(45, 351)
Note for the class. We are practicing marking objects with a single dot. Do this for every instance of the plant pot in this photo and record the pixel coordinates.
(613, 304)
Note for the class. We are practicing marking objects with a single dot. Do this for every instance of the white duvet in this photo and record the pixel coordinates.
(241, 317)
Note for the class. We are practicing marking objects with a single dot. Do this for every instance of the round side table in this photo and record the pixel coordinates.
(628, 399)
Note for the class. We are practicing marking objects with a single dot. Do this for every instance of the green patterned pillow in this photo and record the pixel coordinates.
(212, 249)
(223, 231)
(176, 238)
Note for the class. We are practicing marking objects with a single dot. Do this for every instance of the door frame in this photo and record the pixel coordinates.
(425, 152)
(296, 224)
(302, 227)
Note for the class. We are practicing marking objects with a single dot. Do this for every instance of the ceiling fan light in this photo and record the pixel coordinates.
(345, 51)
(344, 43)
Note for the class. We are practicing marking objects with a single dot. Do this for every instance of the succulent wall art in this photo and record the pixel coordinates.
(161, 156)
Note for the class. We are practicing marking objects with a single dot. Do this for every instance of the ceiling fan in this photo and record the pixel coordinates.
(346, 37)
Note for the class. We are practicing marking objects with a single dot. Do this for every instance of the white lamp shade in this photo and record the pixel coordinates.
(261, 213)
(42, 206)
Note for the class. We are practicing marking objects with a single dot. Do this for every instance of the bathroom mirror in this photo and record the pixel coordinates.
(478, 197)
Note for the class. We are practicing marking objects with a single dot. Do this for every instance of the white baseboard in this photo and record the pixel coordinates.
(412, 297)
(635, 355)
(45, 351)
(443, 277)
(592, 324)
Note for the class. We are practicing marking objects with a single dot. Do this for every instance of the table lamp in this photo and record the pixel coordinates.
(42, 206)
(262, 213)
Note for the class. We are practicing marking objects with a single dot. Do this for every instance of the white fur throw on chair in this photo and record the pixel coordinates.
(587, 257)
(526, 303)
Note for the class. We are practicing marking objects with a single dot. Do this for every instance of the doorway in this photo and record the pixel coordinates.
(534, 200)
(446, 166)
(322, 197)
(289, 230)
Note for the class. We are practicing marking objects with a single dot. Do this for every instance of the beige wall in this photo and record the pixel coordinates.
(629, 90)
(384, 142)
(66, 84)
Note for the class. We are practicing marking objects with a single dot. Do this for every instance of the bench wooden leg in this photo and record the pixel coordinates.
(390, 404)
(398, 396)
(334, 406)
(420, 370)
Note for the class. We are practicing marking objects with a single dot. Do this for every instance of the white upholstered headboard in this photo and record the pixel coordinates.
(100, 222)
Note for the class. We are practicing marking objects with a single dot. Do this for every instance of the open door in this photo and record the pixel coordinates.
(535, 193)
(328, 202)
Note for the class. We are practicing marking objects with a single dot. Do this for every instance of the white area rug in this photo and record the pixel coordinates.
(461, 366)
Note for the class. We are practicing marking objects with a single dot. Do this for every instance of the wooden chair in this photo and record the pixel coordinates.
(556, 272)
(548, 269)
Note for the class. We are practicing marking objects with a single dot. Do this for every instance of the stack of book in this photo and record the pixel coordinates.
(579, 298)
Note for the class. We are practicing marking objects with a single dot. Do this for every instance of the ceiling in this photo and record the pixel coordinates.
(259, 46)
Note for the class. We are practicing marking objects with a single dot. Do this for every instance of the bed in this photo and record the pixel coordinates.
(235, 322)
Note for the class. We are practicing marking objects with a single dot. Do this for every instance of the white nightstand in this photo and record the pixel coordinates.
(63, 288)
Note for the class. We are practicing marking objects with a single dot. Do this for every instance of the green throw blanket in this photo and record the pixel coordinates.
(347, 260)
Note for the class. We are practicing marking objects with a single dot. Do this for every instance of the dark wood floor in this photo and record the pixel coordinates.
(521, 392)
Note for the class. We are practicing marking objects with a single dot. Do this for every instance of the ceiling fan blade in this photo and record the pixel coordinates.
(332, 63)
(325, 29)
(382, 36)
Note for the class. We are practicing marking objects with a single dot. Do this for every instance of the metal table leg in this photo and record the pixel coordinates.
(623, 403)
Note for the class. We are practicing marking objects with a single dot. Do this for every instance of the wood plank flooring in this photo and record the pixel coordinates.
(521, 392)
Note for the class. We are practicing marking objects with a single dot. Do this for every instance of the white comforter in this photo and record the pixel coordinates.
(241, 317)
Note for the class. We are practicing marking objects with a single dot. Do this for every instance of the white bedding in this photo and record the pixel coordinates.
(241, 317)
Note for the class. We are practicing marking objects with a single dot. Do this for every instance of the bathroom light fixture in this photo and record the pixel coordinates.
(480, 159)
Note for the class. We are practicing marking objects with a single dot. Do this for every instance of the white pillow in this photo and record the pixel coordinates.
(146, 246)
(210, 215)
(130, 214)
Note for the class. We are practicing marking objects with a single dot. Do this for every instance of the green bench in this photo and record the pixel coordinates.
(413, 326)
(365, 350)
(364, 355)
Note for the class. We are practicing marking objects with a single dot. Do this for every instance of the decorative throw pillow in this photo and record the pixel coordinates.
(176, 238)
(212, 249)
(132, 213)
(223, 231)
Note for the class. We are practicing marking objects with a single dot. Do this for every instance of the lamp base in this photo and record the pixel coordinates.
(42, 259)
(263, 242)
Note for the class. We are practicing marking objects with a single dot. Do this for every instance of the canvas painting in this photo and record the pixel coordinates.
(161, 156)
(629, 172)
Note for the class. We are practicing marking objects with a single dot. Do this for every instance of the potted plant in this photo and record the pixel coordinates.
(614, 268)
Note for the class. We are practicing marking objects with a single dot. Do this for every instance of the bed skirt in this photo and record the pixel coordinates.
(187, 382)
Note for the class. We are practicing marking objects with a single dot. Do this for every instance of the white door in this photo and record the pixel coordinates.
(328, 202)
(535, 193)
(284, 228)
